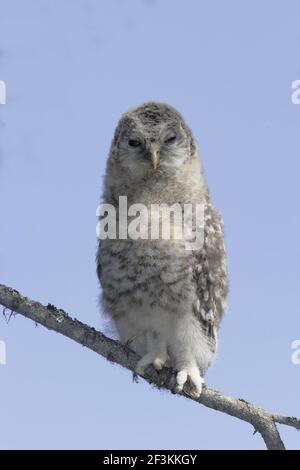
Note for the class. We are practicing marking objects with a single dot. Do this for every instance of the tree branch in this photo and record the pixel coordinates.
(59, 321)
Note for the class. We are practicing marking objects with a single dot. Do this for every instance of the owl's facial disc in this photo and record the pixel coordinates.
(148, 148)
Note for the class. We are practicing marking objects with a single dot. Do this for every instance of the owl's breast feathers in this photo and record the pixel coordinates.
(162, 274)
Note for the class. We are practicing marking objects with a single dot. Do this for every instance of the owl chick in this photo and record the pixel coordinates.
(165, 299)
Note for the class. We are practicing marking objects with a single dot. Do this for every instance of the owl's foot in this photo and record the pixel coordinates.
(193, 378)
(157, 362)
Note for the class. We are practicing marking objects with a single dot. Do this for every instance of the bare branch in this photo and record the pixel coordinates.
(59, 321)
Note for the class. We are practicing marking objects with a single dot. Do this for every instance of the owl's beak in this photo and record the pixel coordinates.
(154, 156)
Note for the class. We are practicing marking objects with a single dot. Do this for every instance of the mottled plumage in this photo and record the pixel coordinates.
(165, 300)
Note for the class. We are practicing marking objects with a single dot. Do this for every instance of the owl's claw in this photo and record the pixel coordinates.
(158, 363)
(135, 377)
(195, 392)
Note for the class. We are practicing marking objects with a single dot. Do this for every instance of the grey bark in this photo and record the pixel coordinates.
(58, 320)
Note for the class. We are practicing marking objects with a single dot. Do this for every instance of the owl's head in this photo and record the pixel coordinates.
(152, 139)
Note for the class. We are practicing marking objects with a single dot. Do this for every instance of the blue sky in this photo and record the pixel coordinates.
(71, 68)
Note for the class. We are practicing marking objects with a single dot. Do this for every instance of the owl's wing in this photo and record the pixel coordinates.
(210, 274)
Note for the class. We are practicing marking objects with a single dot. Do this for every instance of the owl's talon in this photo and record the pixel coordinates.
(135, 378)
(158, 363)
(195, 392)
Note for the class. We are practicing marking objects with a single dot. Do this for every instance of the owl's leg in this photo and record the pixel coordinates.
(159, 347)
(161, 357)
(156, 354)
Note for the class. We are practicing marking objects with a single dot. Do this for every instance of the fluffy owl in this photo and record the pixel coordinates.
(165, 300)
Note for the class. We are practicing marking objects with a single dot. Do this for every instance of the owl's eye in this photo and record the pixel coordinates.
(170, 139)
(134, 143)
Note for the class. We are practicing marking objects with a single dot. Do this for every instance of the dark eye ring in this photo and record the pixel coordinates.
(134, 143)
(170, 139)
